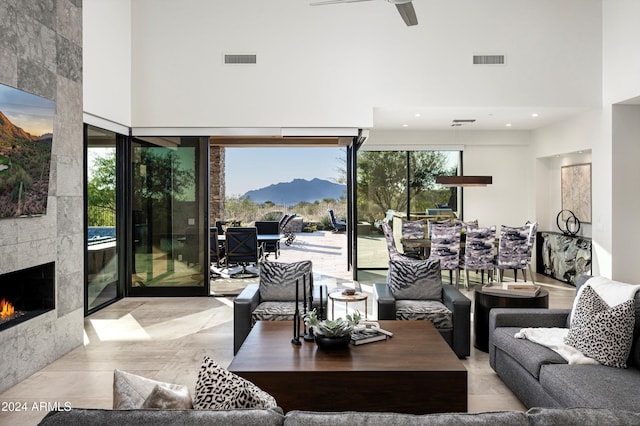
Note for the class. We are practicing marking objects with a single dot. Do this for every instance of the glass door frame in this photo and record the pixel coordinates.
(202, 194)
(121, 250)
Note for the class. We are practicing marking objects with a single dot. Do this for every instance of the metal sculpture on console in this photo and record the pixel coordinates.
(571, 225)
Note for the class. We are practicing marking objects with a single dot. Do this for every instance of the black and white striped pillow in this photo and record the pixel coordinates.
(415, 279)
(278, 280)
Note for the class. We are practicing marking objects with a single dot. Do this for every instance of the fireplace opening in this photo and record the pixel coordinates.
(26, 294)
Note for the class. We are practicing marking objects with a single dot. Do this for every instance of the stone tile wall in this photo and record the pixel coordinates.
(41, 53)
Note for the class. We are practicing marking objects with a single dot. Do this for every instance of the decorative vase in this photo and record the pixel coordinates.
(341, 342)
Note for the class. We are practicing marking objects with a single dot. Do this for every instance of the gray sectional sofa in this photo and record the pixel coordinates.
(533, 417)
(540, 377)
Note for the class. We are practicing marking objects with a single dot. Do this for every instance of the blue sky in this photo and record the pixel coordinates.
(32, 113)
(253, 168)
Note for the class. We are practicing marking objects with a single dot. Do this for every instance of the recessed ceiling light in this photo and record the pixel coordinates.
(417, 114)
(508, 125)
(535, 115)
(405, 125)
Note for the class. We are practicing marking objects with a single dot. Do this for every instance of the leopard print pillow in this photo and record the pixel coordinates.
(220, 389)
(601, 332)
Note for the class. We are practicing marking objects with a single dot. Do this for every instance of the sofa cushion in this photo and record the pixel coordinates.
(351, 418)
(530, 355)
(595, 386)
(581, 416)
(601, 332)
(275, 311)
(97, 417)
(278, 280)
(220, 389)
(417, 280)
(430, 310)
(132, 391)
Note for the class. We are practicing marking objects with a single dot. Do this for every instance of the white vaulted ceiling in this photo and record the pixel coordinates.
(359, 65)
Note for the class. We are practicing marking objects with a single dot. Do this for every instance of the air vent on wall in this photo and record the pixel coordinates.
(240, 59)
(488, 60)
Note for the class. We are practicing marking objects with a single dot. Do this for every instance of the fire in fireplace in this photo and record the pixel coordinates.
(26, 294)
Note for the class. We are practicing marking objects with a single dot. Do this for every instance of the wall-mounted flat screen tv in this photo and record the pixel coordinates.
(26, 135)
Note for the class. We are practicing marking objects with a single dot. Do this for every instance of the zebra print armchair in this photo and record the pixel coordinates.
(414, 291)
(274, 297)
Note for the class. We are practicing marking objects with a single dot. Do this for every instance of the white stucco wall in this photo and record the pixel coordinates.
(106, 61)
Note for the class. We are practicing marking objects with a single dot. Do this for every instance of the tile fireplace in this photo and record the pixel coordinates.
(25, 294)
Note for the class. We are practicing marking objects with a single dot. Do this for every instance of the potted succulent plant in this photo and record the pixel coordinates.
(332, 333)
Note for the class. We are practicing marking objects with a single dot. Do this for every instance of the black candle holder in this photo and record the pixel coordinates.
(296, 320)
(308, 334)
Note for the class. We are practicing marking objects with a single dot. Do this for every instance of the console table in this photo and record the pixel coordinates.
(563, 257)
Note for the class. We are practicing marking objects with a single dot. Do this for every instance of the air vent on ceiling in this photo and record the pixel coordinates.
(462, 121)
(488, 60)
(240, 59)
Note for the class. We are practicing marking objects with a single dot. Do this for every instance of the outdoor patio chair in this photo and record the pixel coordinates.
(285, 229)
(338, 226)
(242, 248)
(216, 252)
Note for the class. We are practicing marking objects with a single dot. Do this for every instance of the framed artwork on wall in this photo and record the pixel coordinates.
(576, 190)
(26, 135)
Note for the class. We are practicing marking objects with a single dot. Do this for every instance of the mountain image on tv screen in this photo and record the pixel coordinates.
(26, 135)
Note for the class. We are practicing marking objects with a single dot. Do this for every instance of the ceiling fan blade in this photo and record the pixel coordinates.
(408, 13)
(320, 3)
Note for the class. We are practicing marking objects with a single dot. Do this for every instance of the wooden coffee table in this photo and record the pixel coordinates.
(413, 372)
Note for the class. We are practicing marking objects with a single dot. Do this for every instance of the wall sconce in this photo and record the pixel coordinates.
(464, 180)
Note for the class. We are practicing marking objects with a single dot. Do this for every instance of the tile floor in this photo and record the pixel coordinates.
(166, 339)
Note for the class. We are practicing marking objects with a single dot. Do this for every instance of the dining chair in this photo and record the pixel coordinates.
(431, 223)
(394, 254)
(413, 229)
(242, 248)
(515, 250)
(269, 227)
(479, 252)
(445, 246)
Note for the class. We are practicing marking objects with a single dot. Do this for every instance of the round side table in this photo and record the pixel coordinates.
(484, 302)
(339, 297)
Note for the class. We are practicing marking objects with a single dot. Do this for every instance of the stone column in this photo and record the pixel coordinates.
(216, 184)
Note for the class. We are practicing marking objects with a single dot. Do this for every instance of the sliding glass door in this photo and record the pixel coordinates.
(102, 256)
(168, 187)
